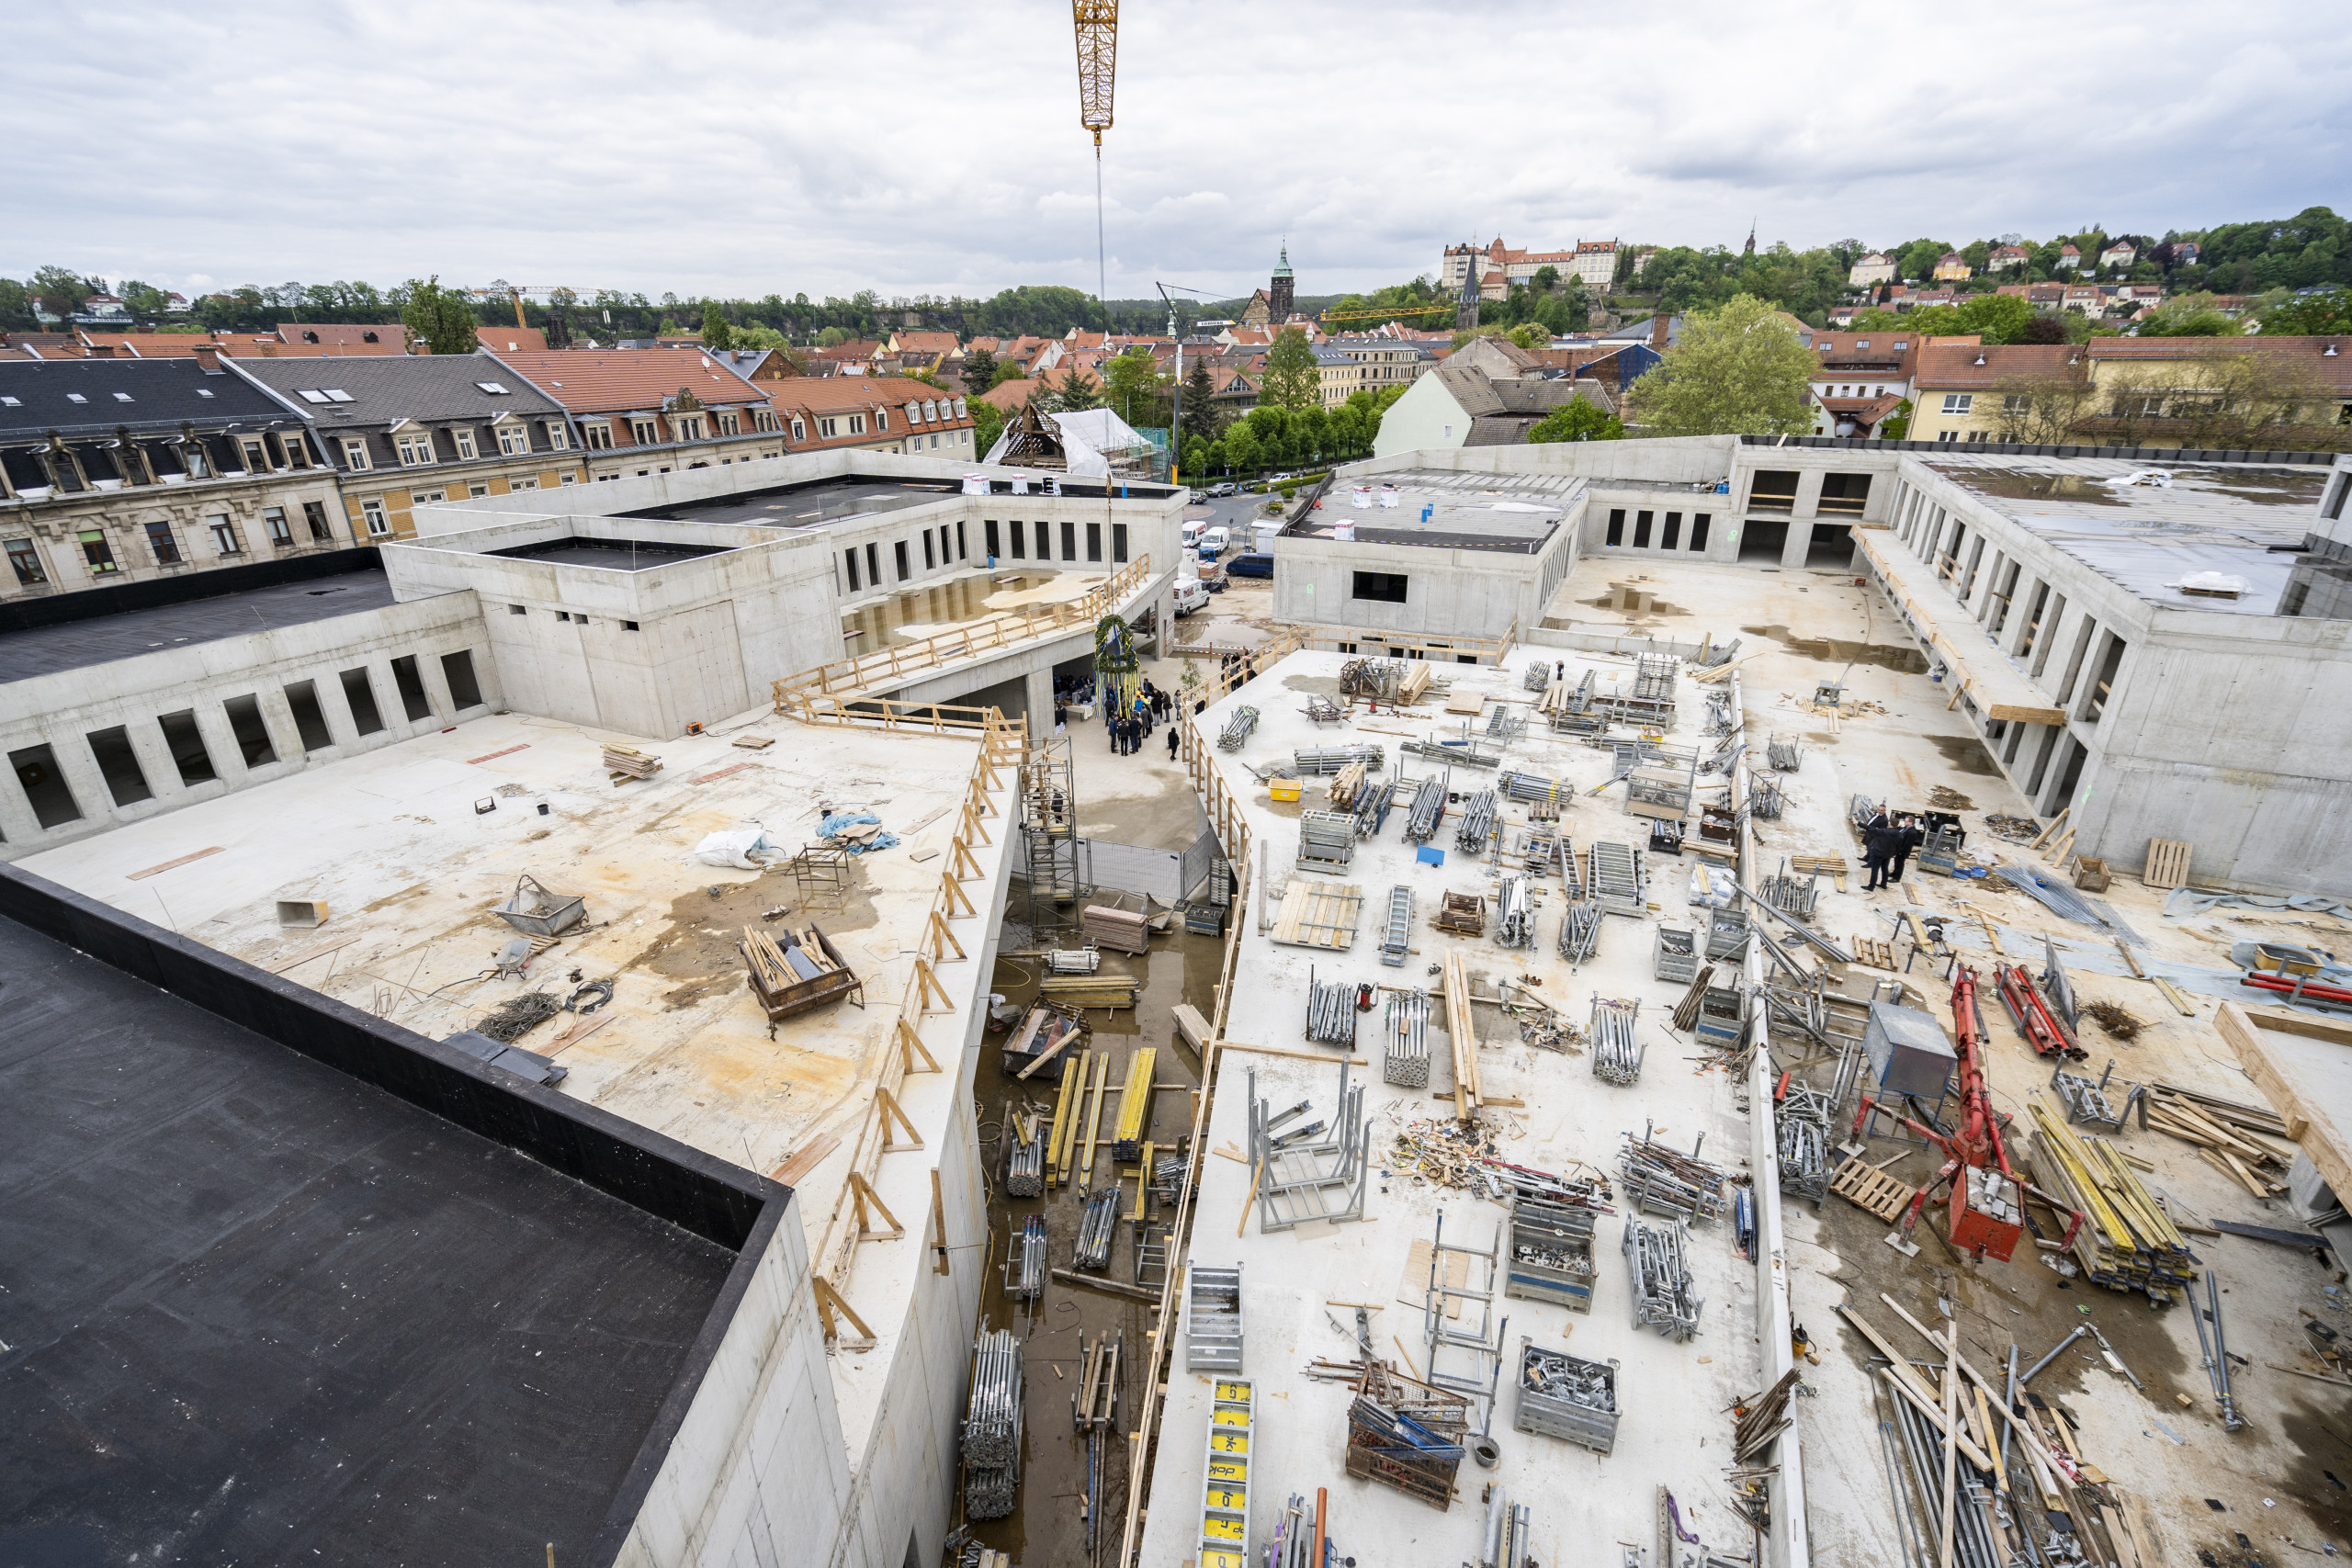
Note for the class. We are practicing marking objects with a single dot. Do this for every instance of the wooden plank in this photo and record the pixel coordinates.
(722, 774)
(806, 1159)
(159, 870)
(492, 756)
(1462, 1028)
(2310, 1123)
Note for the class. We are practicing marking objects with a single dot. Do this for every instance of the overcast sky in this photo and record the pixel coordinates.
(741, 149)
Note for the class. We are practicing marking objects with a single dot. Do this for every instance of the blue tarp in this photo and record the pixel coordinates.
(841, 819)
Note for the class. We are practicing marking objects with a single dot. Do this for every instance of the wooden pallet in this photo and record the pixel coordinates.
(1874, 953)
(1462, 913)
(1872, 1189)
(1319, 914)
(1468, 702)
(2168, 863)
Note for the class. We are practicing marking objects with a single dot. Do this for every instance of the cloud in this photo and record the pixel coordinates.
(657, 145)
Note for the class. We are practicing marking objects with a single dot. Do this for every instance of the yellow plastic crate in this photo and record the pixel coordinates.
(1283, 789)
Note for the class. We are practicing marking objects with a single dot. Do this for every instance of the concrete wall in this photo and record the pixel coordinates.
(1684, 502)
(1678, 459)
(1453, 592)
(63, 709)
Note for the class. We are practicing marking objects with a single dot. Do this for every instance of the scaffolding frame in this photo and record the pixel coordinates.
(1048, 804)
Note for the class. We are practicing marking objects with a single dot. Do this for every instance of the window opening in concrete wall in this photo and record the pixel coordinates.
(1641, 530)
(310, 723)
(252, 734)
(1119, 542)
(2074, 661)
(874, 563)
(1774, 490)
(1968, 577)
(2103, 684)
(990, 543)
(1669, 535)
(410, 686)
(1383, 587)
(185, 742)
(2336, 501)
(2005, 588)
(2065, 794)
(850, 557)
(1616, 525)
(359, 697)
(1845, 494)
(119, 765)
(1831, 545)
(2041, 758)
(961, 553)
(1069, 541)
(1763, 539)
(2016, 738)
(927, 562)
(1699, 531)
(458, 669)
(1094, 541)
(44, 787)
(898, 558)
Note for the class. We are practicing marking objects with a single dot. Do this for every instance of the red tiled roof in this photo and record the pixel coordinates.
(390, 336)
(1945, 366)
(1011, 393)
(589, 380)
(512, 339)
(927, 342)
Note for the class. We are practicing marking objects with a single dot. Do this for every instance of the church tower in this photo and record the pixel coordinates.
(1277, 293)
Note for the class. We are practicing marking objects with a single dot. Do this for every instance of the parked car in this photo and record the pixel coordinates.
(1252, 565)
(1224, 490)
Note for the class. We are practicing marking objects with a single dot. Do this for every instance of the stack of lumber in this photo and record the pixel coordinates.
(782, 965)
(2231, 1137)
(1122, 931)
(1462, 1031)
(2126, 1242)
(1099, 990)
(1465, 702)
(628, 761)
(1345, 783)
(1416, 682)
(1319, 914)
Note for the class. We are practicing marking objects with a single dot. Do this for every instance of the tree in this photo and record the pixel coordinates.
(2187, 317)
(1291, 380)
(15, 305)
(980, 371)
(1741, 369)
(1133, 387)
(988, 423)
(718, 333)
(59, 289)
(1532, 335)
(1896, 425)
(832, 337)
(1546, 278)
(1578, 420)
(1074, 393)
(2310, 315)
(2044, 330)
(1242, 447)
(438, 319)
(1919, 259)
(1201, 415)
(1997, 317)
(144, 299)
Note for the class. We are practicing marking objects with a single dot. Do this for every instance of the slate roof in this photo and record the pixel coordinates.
(39, 396)
(385, 388)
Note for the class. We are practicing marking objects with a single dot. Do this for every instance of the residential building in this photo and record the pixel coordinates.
(2005, 258)
(410, 430)
(757, 364)
(1458, 404)
(2070, 259)
(2085, 299)
(932, 346)
(512, 339)
(876, 413)
(384, 337)
(648, 410)
(1499, 269)
(2130, 392)
(1955, 397)
(1873, 269)
(1913, 299)
(2185, 253)
(1952, 268)
(1642, 260)
(118, 470)
(1861, 379)
(1595, 261)
(2121, 255)
(1012, 392)
(103, 310)
(1380, 363)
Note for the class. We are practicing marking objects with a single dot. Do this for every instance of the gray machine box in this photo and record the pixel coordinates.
(1908, 1051)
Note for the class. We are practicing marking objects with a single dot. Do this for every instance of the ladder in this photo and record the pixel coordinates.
(1213, 1335)
(1397, 934)
(1478, 1333)
(1225, 1477)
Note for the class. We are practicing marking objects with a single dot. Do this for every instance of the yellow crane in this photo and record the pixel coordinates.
(516, 292)
(1097, 23)
(1388, 313)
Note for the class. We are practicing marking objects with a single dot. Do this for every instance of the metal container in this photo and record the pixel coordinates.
(535, 911)
(1676, 955)
(1583, 1407)
(1908, 1049)
(1550, 1252)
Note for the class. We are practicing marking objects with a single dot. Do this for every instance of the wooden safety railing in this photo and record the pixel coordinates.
(884, 1126)
(968, 641)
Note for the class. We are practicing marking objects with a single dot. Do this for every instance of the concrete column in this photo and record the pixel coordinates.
(17, 824)
(1798, 545)
(1037, 699)
(80, 771)
(154, 758)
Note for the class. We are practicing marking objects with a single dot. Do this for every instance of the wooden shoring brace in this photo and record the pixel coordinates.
(938, 1226)
(830, 1302)
(962, 864)
(941, 939)
(927, 985)
(910, 1045)
(968, 827)
(869, 1203)
(951, 893)
(980, 803)
(888, 1105)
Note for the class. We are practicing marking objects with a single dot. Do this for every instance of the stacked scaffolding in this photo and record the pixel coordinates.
(1427, 812)
(1025, 1272)
(1330, 1012)
(1616, 1049)
(1239, 726)
(1323, 762)
(1049, 836)
(1579, 931)
(1477, 824)
(1405, 1023)
(1326, 841)
(1532, 787)
(1657, 1267)
(991, 1431)
(1803, 1124)
(1514, 913)
(1660, 1180)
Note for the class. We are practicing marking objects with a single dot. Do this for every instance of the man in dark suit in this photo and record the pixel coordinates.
(1877, 849)
(1908, 837)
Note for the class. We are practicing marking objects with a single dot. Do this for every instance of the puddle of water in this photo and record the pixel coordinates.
(936, 607)
(1965, 753)
(1837, 650)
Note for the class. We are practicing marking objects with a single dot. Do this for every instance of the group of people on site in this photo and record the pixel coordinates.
(1887, 843)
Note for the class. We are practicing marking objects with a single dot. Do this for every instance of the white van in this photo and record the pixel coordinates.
(1215, 542)
(1190, 596)
(1191, 532)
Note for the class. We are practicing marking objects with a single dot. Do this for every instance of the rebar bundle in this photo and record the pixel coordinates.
(1325, 760)
(1666, 1181)
(1616, 1053)
(1579, 931)
(1405, 1022)
(1428, 810)
(1024, 1161)
(1477, 824)
(1238, 727)
(1514, 913)
(1330, 1012)
(1030, 1266)
(991, 1432)
(1665, 1295)
(1785, 753)
(1097, 1228)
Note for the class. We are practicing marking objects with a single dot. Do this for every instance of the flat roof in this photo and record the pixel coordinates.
(808, 505)
(2144, 537)
(262, 1310)
(1443, 509)
(233, 612)
(611, 555)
